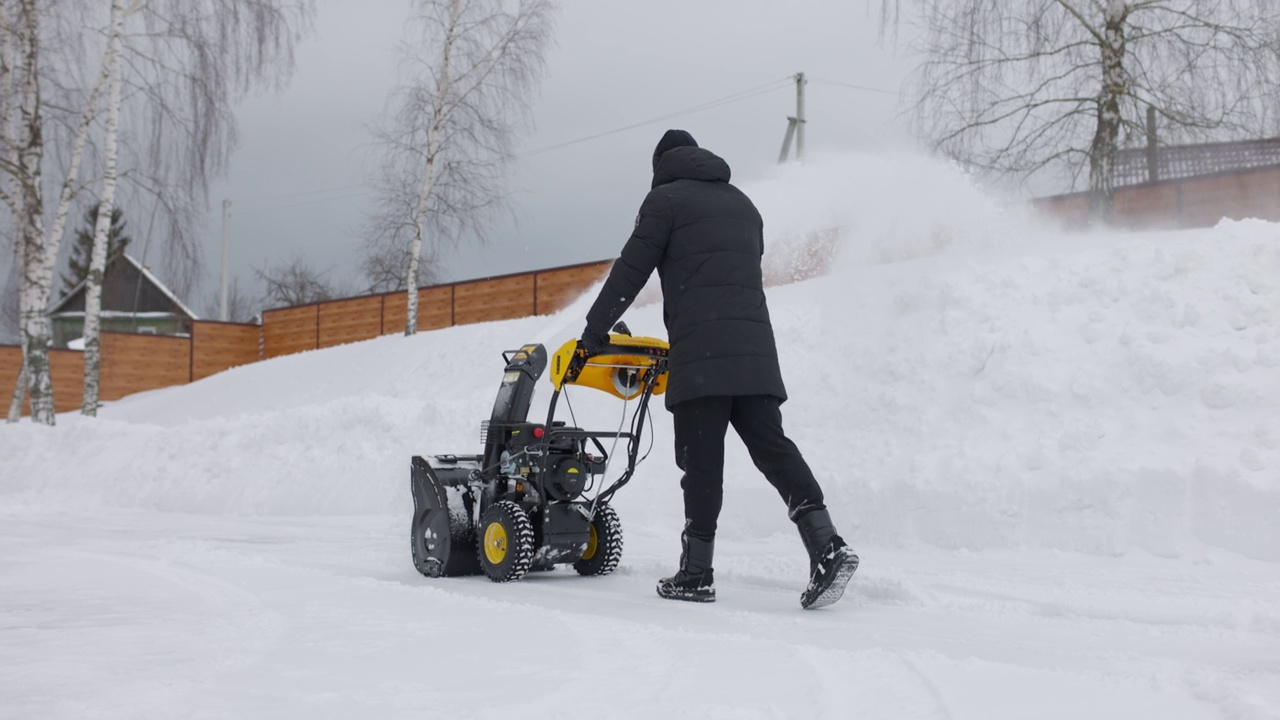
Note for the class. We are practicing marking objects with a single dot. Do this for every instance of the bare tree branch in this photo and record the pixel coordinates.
(178, 68)
(1023, 87)
(445, 140)
(294, 282)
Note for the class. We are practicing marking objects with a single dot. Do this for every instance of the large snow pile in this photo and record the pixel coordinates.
(1007, 387)
(985, 401)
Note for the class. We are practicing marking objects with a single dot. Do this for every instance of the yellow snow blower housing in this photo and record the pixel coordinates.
(623, 369)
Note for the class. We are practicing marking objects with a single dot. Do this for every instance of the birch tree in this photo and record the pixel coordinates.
(189, 61)
(106, 208)
(23, 161)
(9, 40)
(1025, 87)
(470, 68)
(170, 83)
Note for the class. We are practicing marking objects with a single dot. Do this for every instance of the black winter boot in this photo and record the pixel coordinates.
(694, 581)
(831, 561)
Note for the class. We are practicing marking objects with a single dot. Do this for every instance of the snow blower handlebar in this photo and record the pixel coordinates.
(618, 368)
(629, 368)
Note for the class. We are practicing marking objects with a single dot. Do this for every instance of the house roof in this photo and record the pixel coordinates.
(152, 279)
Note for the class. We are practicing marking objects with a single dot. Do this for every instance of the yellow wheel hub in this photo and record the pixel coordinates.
(592, 543)
(495, 543)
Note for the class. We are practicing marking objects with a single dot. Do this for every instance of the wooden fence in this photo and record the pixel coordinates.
(1183, 203)
(334, 322)
(66, 368)
(217, 346)
(134, 363)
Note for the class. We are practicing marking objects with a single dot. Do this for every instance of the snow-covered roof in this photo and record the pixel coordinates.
(163, 288)
(122, 314)
(145, 273)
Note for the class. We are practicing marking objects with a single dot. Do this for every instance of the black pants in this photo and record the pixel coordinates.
(700, 427)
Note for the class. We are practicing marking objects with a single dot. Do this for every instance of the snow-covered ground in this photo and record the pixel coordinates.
(1058, 456)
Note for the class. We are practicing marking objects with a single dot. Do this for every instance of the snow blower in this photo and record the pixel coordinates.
(536, 496)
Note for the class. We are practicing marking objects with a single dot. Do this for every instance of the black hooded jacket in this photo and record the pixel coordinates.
(705, 238)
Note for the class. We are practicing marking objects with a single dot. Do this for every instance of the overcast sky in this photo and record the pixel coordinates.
(294, 181)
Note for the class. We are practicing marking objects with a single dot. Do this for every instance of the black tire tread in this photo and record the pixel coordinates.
(609, 536)
(519, 538)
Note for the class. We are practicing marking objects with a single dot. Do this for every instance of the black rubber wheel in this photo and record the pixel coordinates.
(505, 541)
(604, 550)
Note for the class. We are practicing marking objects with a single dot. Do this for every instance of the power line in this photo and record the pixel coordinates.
(747, 94)
(302, 204)
(854, 87)
(298, 194)
(727, 100)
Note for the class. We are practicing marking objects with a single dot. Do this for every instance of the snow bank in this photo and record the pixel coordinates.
(961, 378)
(1099, 400)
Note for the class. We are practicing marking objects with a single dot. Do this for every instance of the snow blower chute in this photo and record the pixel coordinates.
(536, 497)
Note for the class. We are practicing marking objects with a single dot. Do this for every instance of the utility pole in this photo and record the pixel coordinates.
(795, 125)
(226, 252)
(800, 82)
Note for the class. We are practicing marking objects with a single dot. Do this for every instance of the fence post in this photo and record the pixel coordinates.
(1153, 171)
(191, 353)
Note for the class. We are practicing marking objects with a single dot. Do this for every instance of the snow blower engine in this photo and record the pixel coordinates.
(536, 496)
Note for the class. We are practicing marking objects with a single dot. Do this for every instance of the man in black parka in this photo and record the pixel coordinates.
(705, 238)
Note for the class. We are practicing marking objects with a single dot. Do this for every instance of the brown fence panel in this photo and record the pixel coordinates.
(134, 363)
(351, 320)
(557, 288)
(1147, 206)
(1070, 210)
(1262, 195)
(1188, 203)
(66, 372)
(289, 330)
(130, 363)
(393, 312)
(1205, 201)
(10, 366)
(217, 346)
(435, 309)
(498, 299)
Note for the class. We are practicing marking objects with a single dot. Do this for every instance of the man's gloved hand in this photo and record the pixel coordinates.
(594, 343)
